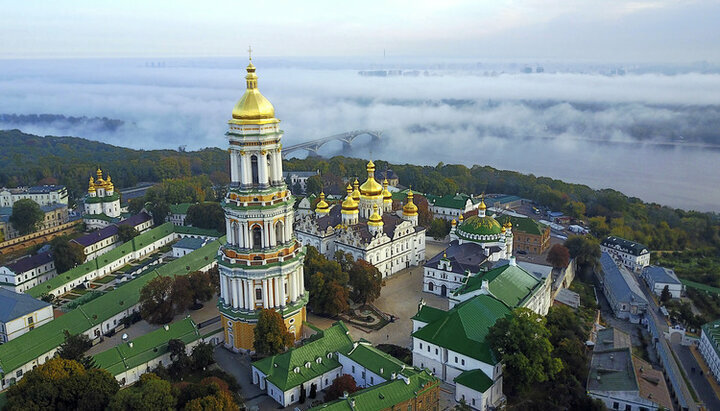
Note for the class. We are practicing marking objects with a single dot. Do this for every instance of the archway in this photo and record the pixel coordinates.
(279, 232)
(254, 170)
(431, 287)
(443, 290)
(256, 238)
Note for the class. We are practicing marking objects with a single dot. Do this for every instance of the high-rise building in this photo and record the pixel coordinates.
(261, 264)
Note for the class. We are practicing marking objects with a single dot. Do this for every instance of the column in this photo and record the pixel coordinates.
(246, 234)
(251, 294)
(277, 165)
(273, 239)
(237, 235)
(240, 288)
(266, 234)
(234, 287)
(234, 177)
(262, 169)
(244, 177)
(277, 283)
(301, 284)
(291, 286)
(223, 290)
(228, 229)
(265, 293)
(283, 297)
(244, 287)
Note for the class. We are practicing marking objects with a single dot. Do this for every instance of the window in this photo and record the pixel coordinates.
(353, 369)
(292, 397)
(258, 294)
(421, 343)
(455, 359)
(616, 405)
(436, 351)
(372, 380)
(462, 362)
(628, 407)
(18, 374)
(363, 375)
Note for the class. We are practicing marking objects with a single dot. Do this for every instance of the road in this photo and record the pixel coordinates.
(699, 382)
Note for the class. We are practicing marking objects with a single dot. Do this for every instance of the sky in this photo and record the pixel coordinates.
(665, 31)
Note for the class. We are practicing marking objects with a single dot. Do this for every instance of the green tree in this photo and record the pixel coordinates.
(439, 228)
(598, 225)
(558, 256)
(366, 282)
(314, 185)
(271, 334)
(62, 384)
(181, 294)
(206, 215)
(584, 249)
(74, 348)
(326, 282)
(344, 383)
(202, 286)
(150, 393)
(521, 340)
(202, 356)
(156, 305)
(665, 295)
(127, 232)
(26, 216)
(66, 254)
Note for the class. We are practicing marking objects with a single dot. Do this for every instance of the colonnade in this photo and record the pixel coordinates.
(239, 233)
(270, 292)
(269, 167)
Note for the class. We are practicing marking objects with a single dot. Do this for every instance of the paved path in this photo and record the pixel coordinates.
(700, 383)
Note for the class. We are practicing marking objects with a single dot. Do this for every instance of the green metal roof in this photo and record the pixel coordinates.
(463, 329)
(382, 364)
(475, 380)
(102, 216)
(479, 226)
(105, 199)
(147, 347)
(712, 330)
(384, 396)
(280, 369)
(456, 201)
(43, 339)
(180, 208)
(509, 283)
(526, 225)
(184, 229)
(428, 314)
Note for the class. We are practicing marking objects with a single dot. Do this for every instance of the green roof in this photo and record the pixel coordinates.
(463, 329)
(147, 347)
(526, 225)
(280, 369)
(428, 314)
(386, 395)
(712, 330)
(479, 226)
(700, 286)
(43, 339)
(102, 216)
(475, 380)
(511, 284)
(612, 370)
(382, 364)
(456, 201)
(106, 199)
(184, 229)
(180, 208)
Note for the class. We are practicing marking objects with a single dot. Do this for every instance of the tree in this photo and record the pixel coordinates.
(301, 400)
(202, 356)
(521, 340)
(127, 232)
(182, 294)
(342, 384)
(74, 348)
(271, 334)
(64, 385)
(206, 215)
(314, 185)
(665, 295)
(201, 285)
(439, 228)
(584, 249)
(598, 225)
(150, 393)
(313, 391)
(155, 301)
(366, 282)
(66, 254)
(558, 256)
(326, 282)
(26, 216)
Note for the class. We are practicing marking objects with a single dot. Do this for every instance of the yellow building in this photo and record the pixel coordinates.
(261, 265)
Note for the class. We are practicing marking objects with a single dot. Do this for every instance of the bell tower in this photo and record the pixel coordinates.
(261, 264)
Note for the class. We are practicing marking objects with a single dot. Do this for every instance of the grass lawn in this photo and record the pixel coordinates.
(80, 291)
(70, 297)
(104, 280)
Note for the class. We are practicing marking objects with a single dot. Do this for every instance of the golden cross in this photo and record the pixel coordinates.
(249, 53)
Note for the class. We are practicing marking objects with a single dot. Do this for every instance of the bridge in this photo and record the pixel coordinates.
(347, 138)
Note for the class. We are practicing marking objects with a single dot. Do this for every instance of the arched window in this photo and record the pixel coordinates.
(270, 174)
(254, 169)
(279, 232)
(257, 238)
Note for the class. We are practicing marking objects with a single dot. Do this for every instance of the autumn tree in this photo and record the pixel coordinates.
(66, 254)
(202, 287)
(326, 282)
(181, 294)
(342, 384)
(584, 249)
(271, 334)
(127, 232)
(150, 393)
(439, 228)
(26, 216)
(155, 301)
(521, 341)
(206, 215)
(366, 282)
(558, 256)
(61, 384)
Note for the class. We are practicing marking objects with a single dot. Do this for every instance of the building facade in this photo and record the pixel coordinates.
(261, 265)
(101, 201)
(657, 278)
(366, 227)
(634, 256)
(27, 272)
(710, 347)
(55, 215)
(621, 289)
(529, 235)
(451, 206)
(43, 195)
(20, 313)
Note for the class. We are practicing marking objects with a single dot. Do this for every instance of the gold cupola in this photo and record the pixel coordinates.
(108, 184)
(387, 195)
(99, 182)
(91, 185)
(253, 107)
(410, 209)
(356, 192)
(371, 188)
(482, 205)
(461, 218)
(375, 219)
(349, 206)
(322, 206)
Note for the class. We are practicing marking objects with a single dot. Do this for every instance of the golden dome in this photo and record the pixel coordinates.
(453, 222)
(410, 209)
(253, 107)
(349, 206)
(91, 186)
(482, 205)
(461, 218)
(387, 195)
(356, 192)
(375, 219)
(503, 230)
(322, 206)
(371, 188)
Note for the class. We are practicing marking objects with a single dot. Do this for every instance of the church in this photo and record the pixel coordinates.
(102, 203)
(365, 226)
(261, 264)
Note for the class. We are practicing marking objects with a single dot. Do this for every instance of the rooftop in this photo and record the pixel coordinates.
(180, 208)
(712, 330)
(511, 284)
(189, 243)
(14, 305)
(611, 338)
(97, 236)
(660, 274)
(568, 297)
(30, 262)
(625, 246)
(620, 282)
(137, 219)
(612, 370)
(463, 257)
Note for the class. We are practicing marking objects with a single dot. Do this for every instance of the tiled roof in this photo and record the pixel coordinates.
(280, 369)
(147, 347)
(14, 305)
(652, 383)
(137, 219)
(511, 284)
(625, 246)
(660, 275)
(463, 329)
(28, 263)
(97, 236)
(620, 281)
